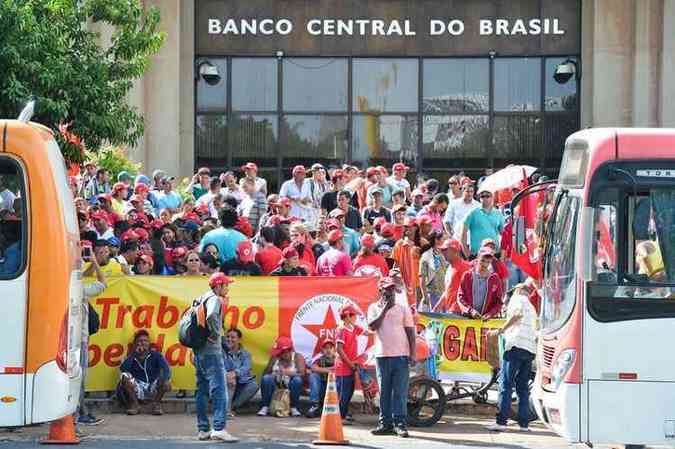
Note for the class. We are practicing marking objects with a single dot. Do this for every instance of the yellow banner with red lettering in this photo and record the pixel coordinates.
(460, 346)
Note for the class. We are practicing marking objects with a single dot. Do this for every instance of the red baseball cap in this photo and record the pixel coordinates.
(372, 171)
(130, 235)
(299, 169)
(452, 244)
(368, 241)
(284, 201)
(280, 345)
(157, 224)
(289, 252)
(348, 309)
(147, 259)
(245, 251)
(466, 181)
(379, 222)
(119, 186)
(249, 166)
(179, 252)
(383, 170)
(387, 230)
(142, 234)
(99, 216)
(399, 166)
(217, 279)
(202, 208)
(409, 221)
(335, 235)
(140, 187)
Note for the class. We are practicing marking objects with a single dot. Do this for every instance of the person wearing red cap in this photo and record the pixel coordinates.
(128, 253)
(433, 266)
(118, 198)
(348, 359)
(290, 264)
(99, 221)
(406, 255)
(457, 266)
(481, 290)
(299, 192)
(210, 363)
(458, 209)
(368, 262)
(322, 365)
(285, 367)
(302, 241)
(144, 265)
(398, 178)
(394, 350)
(243, 264)
(377, 209)
(386, 188)
(250, 170)
(334, 262)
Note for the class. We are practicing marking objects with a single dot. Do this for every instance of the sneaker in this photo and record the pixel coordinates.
(524, 429)
(89, 420)
(157, 409)
(348, 421)
(264, 411)
(133, 411)
(496, 427)
(203, 436)
(314, 412)
(383, 430)
(223, 435)
(401, 431)
(295, 412)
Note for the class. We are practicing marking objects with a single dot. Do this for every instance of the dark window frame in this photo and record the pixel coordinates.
(25, 244)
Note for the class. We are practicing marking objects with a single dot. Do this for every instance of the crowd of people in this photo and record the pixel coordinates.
(446, 251)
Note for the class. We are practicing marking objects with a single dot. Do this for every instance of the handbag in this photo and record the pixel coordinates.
(94, 320)
(281, 403)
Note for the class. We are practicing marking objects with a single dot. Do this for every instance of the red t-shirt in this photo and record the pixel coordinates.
(268, 258)
(307, 261)
(398, 232)
(349, 339)
(372, 265)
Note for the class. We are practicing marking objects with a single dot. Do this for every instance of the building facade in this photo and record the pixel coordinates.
(442, 85)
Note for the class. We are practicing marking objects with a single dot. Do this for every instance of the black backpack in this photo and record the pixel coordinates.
(190, 332)
(94, 320)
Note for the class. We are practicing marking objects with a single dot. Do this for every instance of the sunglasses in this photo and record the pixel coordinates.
(193, 260)
(486, 196)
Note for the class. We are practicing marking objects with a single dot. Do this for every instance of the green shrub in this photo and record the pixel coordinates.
(115, 160)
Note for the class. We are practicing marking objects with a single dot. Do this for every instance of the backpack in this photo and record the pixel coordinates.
(94, 320)
(192, 329)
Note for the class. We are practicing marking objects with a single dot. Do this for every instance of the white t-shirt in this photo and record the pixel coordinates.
(522, 334)
(456, 213)
(7, 200)
(290, 189)
(403, 184)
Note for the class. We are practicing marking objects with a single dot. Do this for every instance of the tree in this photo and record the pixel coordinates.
(48, 52)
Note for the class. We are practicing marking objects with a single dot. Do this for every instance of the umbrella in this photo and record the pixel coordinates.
(507, 178)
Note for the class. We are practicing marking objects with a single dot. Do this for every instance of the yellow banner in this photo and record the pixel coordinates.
(156, 303)
(460, 346)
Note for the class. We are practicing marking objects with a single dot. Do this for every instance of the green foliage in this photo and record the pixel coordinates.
(182, 189)
(115, 160)
(48, 51)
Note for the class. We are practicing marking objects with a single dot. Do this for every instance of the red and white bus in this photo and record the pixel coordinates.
(606, 369)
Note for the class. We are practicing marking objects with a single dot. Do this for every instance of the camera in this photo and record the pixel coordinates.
(564, 71)
(209, 73)
(86, 252)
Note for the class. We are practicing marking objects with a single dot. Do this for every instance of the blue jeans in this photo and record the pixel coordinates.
(241, 394)
(392, 376)
(210, 369)
(269, 384)
(345, 388)
(515, 371)
(317, 388)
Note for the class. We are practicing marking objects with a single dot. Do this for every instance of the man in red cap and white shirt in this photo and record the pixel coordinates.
(100, 222)
(481, 290)
(299, 192)
(452, 250)
(243, 264)
(368, 262)
(210, 364)
(398, 180)
(334, 262)
(118, 197)
(250, 170)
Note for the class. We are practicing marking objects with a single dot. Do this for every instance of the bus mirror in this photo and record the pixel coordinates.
(519, 235)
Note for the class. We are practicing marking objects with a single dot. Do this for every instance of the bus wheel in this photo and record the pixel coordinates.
(426, 402)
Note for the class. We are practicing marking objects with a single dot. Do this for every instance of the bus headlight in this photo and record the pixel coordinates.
(561, 366)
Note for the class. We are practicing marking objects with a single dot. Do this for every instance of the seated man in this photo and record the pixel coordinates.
(285, 368)
(318, 377)
(145, 376)
(241, 383)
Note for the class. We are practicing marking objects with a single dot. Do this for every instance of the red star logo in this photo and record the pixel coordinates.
(319, 330)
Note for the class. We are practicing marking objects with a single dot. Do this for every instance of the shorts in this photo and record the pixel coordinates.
(144, 390)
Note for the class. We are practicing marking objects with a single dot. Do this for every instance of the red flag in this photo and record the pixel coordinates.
(530, 260)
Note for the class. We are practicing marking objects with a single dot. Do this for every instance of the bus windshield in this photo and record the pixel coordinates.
(559, 289)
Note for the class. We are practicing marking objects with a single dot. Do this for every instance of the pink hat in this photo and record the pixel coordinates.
(299, 169)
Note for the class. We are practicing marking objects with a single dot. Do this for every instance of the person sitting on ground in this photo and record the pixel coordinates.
(241, 382)
(290, 264)
(286, 367)
(318, 378)
(145, 376)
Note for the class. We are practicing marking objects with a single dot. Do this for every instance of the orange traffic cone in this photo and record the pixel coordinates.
(330, 432)
(62, 431)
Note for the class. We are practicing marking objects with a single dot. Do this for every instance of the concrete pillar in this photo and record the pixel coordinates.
(647, 67)
(162, 94)
(187, 107)
(613, 61)
(587, 63)
(667, 81)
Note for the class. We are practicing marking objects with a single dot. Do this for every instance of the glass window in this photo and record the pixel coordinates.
(212, 98)
(518, 137)
(13, 217)
(456, 85)
(254, 84)
(314, 138)
(557, 128)
(384, 138)
(315, 84)
(385, 85)
(559, 97)
(254, 137)
(455, 136)
(210, 135)
(517, 84)
(559, 267)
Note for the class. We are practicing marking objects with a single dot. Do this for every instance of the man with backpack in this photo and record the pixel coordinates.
(201, 330)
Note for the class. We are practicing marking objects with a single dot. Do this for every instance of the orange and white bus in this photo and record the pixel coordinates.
(606, 369)
(40, 279)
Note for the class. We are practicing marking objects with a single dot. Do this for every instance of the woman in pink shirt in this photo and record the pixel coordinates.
(334, 262)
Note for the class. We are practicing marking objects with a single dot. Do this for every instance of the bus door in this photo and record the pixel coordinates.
(629, 362)
(13, 293)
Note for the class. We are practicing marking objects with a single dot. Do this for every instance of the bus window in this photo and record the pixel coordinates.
(604, 238)
(12, 220)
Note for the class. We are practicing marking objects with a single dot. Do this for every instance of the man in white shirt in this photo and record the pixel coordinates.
(251, 172)
(458, 210)
(7, 197)
(299, 192)
(520, 340)
(398, 179)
